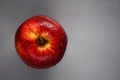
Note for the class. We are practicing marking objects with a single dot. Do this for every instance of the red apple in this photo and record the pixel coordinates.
(40, 42)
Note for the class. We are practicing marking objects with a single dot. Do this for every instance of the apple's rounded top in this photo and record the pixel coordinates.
(40, 42)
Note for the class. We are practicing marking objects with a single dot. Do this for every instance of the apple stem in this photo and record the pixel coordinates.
(41, 41)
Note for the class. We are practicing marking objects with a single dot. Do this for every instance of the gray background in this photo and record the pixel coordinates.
(93, 29)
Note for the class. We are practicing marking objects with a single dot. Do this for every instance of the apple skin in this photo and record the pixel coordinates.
(40, 42)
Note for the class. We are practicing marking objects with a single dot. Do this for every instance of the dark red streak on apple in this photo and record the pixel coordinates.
(40, 42)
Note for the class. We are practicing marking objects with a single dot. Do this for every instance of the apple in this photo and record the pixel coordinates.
(40, 42)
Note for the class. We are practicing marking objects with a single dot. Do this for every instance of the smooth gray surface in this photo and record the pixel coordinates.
(93, 29)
